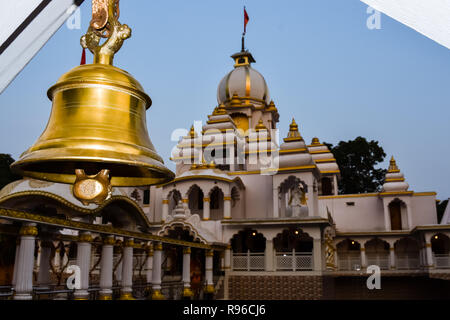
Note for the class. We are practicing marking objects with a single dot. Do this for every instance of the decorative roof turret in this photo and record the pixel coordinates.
(294, 134)
(395, 180)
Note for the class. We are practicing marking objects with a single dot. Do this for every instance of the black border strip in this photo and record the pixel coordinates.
(27, 22)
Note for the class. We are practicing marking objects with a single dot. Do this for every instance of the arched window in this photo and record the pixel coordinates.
(215, 198)
(195, 198)
(395, 212)
(327, 186)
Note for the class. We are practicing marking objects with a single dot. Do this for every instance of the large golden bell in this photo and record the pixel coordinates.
(97, 123)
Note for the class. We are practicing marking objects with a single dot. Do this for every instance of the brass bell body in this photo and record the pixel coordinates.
(97, 122)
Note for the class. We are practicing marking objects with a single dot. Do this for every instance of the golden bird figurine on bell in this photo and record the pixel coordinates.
(98, 119)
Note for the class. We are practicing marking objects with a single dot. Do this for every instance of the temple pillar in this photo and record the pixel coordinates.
(363, 256)
(269, 255)
(317, 254)
(429, 255)
(165, 209)
(156, 281)
(25, 262)
(227, 207)
(187, 292)
(127, 271)
(209, 284)
(43, 279)
(206, 208)
(227, 258)
(392, 262)
(16, 263)
(276, 212)
(387, 216)
(149, 264)
(106, 268)
(84, 263)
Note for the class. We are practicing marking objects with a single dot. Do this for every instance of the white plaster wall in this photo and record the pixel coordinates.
(366, 215)
(258, 195)
(423, 210)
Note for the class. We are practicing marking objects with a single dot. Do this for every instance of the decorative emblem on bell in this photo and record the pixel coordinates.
(92, 189)
(98, 119)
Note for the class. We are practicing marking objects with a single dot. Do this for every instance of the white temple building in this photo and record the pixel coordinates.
(277, 207)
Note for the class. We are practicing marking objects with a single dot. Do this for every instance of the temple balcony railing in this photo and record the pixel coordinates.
(441, 260)
(407, 262)
(349, 261)
(249, 261)
(379, 259)
(294, 261)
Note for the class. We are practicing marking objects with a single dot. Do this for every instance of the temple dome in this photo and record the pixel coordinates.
(243, 81)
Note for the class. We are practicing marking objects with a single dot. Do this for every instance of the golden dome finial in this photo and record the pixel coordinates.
(293, 134)
(192, 133)
(220, 110)
(212, 165)
(235, 101)
(271, 106)
(393, 166)
(260, 126)
(315, 141)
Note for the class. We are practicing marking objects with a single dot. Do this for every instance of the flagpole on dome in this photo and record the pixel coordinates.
(246, 19)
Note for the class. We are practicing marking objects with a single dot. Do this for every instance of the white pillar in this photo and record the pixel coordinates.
(127, 271)
(392, 257)
(25, 263)
(149, 264)
(387, 216)
(429, 251)
(165, 209)
(44, 264)
(57, 257)
(269, 255)
(206, 208)
(106, 268)
(38, 258)
(187, 292)
(227, 258)
(408, 214)
(84, 262)
(156, 283)
(363, 256)
(276, 212)
(16, 263)
(209, 284)
(317, 254)
(227, 207)
(335, 185)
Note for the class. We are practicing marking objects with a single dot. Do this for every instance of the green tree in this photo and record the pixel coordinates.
(357, 160)
(6, 175)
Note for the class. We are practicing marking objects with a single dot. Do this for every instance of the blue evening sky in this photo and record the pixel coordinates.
(322, 64)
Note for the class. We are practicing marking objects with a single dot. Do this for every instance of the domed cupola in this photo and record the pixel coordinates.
(243, 81)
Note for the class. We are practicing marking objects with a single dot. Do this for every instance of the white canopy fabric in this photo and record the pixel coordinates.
(25, 26)
(428, 17)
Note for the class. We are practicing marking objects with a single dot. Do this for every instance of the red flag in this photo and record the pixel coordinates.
(83, 57)
(246, 19)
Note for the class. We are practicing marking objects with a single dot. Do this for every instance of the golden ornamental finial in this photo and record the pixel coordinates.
(271, 106)
(235, 101)
(315, 141)
(105, 24)
(192, 133)
(260, 126)
(293, 132)
(393, 166)
(220, 110)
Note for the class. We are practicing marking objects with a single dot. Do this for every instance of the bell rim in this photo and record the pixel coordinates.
(159, 173)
